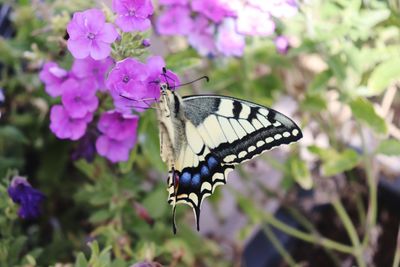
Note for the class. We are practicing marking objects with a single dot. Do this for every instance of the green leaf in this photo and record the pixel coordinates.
(344, 161)
(100, 216)
(155, 203)
(383, 75)
(313, 103)
(301, 173)
(364, 111)
(12, 134)
(81, 260)
(390, 147)
(320, 81)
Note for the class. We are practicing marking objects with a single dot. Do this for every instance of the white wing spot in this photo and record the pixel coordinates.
(277, 123)
(263, 120)
(286, 134)
(251, 148)
(238, 129)
(260, 143)
(225, 108)
(257, 124)
(295, 132)
(247, 126)
(269, 140)
(242, 154)
(227, 129)
(230, 158)
(277, 136)
(263, 111)
(194, 198)
(205, 186)
(245, 112)
(217, 176)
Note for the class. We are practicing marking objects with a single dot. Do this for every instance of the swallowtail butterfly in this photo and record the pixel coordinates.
(202, 138)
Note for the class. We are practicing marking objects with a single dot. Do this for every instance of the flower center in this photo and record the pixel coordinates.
(77, 99)
(125, 79)
(132, 13)
(90, 35)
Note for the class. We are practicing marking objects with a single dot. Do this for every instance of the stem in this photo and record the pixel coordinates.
(396, 259)
(351, 231)
(325, 242)
(275, 242)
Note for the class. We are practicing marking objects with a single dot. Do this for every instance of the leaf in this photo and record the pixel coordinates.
(100, 216)
(344, 161)
(81, 260)
(383, 75)
(320, 81)
(301, 173)
(12, 134)
(390, 147)
(313, 103)
(364, 111)
(155, 203)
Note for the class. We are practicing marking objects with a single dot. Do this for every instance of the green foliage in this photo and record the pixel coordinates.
(390, 147)
(364, 112)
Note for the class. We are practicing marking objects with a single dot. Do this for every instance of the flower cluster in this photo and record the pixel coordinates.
(94, 74)
(220, 26)
(29, 199)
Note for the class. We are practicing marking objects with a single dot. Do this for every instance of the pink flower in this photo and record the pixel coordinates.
(282, 44)
(89, 35)
(202, 37)
(229, 42)
(174, 2)
(253, 21)
(277, 8)
(114, 150)
(79, 98)
(133, 14)
(117, 125)
(65, 127)
(212, 9)
(175, 20)
(53, 77)
(95, 70)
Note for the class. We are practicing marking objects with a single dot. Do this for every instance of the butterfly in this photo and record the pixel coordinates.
(202, 138)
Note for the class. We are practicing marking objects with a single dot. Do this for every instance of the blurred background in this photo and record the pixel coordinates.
(331, 199)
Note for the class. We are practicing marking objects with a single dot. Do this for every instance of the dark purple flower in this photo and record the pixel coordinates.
(253, 21)
(174, 2)
(212, 9)
(228, 41)
(118, 126)
(114, 150)
(282, 44)
(174, 21)
(79, 97)
(65, 127)
(29, 199)
(53, 77)
(146, 42)
(2, 96)
(202, 37)
(90, 35)
(133, 15)
(95, 70)
(85, 149)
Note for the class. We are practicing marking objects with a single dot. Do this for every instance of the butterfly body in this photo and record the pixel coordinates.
(203, 137)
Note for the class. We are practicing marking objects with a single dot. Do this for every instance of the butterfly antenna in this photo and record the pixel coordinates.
(138, 100)
(198, 79)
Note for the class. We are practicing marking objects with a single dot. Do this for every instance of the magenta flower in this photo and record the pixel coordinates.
(282, 44)
(175, 20)
(174, 2)
(212, 9)
(53, 77)
(114, 150)
(65, 127)
(133, 14)
(202, 37)
(79, 98)
(229, 42)
(117, 125)
(95, 70)
(253, 21)
(90, 35)
(146, 42)
(29, 199)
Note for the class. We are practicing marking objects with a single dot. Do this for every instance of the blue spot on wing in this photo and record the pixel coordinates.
(185, 178)
(204, 171)
(196, 180)
(212, 162)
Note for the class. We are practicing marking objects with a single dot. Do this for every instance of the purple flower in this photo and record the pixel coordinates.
(202, 37)
(212, 9)
(89, 34)
(253, 21)
(95, 70)
(118, 126)
(114, 150)
(79, 98)
(53, 77)
(175, 20)
(133, 14)
(29, 199)
(146, 42)
(229, 42)
(85, 149)
(65, 127)
(277, 8)
(174, 2)
(282, 44)
(2, 96)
